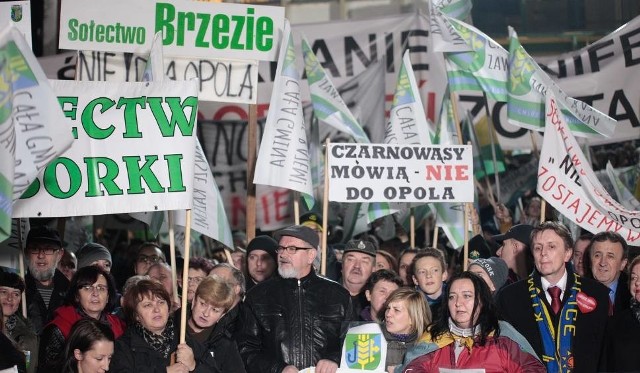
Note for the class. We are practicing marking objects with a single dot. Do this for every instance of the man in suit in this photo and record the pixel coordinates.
(608, 253)
(562, 314)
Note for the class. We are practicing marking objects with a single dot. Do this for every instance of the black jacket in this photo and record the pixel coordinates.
(621, 347)
(294, 322)
(623, 295)
(132, 354)
(37, 312)
(514, 303)
(220, 345)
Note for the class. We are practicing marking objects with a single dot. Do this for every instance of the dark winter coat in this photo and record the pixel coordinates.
(514, 303)
(55, 334)
(621, 352)
(37, 312)
(133, 355)
(294, 322)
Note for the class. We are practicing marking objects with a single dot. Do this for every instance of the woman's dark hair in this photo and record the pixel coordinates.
(83, 335)
(483, 304)
(88, 276)
(144, 288)
(199, 263)
(12, 280)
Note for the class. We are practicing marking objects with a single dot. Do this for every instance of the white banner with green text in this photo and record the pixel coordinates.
(133, 150)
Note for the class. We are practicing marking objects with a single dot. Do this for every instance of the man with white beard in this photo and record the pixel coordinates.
(297, 320)
(46, 285)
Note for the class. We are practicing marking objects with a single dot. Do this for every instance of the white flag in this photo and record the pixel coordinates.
(283, 158)
(567, 182)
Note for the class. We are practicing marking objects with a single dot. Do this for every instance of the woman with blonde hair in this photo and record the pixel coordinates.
(211, 300)
(406, 317)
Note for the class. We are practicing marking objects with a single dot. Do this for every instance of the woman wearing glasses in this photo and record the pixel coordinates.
(92, 294)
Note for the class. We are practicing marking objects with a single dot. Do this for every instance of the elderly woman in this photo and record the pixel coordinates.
(90, 347)
(212, 299)
(16, 327)
(150, 344)
(92, 294)
(405, 319)
(622, 341)
(468, 335)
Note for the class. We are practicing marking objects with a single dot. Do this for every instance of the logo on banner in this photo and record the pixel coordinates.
(363, 351)
(16, 13)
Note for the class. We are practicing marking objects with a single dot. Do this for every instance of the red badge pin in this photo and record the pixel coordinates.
(586, 303)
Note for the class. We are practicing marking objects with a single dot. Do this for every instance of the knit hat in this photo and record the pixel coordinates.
(520, 232)
(265, 243)
(91, 252)
(301, 232)
(496, 268)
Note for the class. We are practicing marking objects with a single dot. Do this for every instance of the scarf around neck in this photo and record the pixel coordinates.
(635, 308)
(159, 342)
(557, 336)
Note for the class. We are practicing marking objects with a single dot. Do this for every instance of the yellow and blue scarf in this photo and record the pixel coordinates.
(557, 338)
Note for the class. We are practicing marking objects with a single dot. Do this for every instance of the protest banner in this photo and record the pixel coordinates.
(18, 14)
(346, 48)
(189, 28)
(528, 86)
(133, 151)
(283, 159)
(29, 138)
(567, 182)
(400, 173)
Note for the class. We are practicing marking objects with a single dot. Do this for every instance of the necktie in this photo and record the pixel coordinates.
(555, 291)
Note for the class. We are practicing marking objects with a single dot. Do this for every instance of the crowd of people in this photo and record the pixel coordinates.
(532, 299)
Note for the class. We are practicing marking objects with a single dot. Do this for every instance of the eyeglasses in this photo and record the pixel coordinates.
(100, 289)
(195, 280)
(46, 250)
(149, 259)
(291, 249)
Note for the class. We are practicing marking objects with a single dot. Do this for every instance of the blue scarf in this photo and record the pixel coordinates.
(557, 339)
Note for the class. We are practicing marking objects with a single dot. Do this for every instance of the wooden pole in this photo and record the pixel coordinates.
(172, 253)
(493, 148)
(465, 263)
(227, 254)
(296, 207)
(412, 225)
(325, 209)
(251, 166)
(543, 210)
(21, 265)
(435, 235)
(534, 144)
(185, 280)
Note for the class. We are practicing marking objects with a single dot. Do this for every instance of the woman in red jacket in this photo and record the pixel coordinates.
(468, 335)
(92, 294)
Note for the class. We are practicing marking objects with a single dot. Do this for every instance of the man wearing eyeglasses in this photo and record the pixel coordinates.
(296, 320)
(46, 285)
